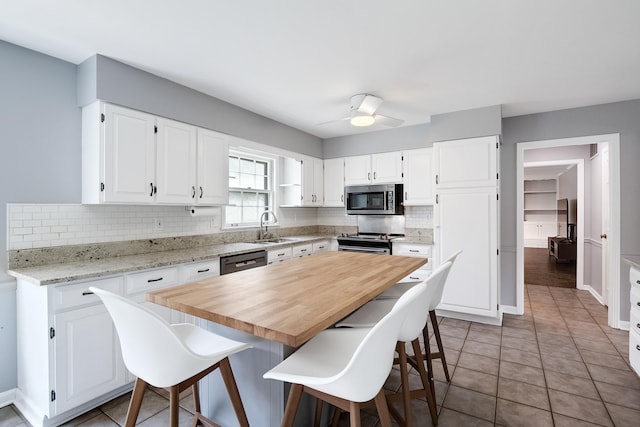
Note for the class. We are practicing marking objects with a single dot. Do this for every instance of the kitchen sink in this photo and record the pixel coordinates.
(273, 241)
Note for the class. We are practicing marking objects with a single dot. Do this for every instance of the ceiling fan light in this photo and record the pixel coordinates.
(361, 119)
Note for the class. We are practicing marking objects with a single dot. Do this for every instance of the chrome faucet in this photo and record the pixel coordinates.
(264, 233)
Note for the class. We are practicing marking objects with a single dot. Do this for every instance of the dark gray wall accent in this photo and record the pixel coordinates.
(40, 143)
(484, 121)
(620, 117)
(124, 85)
(404, 138)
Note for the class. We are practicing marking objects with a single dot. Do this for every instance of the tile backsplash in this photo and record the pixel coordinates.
(31, 226)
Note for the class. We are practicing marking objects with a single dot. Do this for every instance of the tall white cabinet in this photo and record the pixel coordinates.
(466, 216)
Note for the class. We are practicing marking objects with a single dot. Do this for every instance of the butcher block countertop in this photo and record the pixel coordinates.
(290, 302)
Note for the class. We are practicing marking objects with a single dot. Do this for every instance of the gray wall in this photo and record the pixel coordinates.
(40, 160)
(620, 117)
(103, 78)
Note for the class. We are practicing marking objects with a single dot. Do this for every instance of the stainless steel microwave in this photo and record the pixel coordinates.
(380, 199)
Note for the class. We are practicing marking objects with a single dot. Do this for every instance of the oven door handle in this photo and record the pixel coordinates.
(364, 249)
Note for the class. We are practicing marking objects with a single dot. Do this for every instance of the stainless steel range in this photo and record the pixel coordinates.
(374, 235)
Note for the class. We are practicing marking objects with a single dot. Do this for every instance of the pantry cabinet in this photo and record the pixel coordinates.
(133, 157)
(334, 182)
(466, 218)
(382, 168)
(418, 177)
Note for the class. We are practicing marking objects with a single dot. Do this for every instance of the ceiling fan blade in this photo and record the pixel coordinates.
(334, 121)
(388, 121)
(369, 104)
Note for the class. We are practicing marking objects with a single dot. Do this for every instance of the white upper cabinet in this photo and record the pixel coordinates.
(466, 163)
(382, 168)
(418, 177)
(334, 182)
(312, 181)
(213, 168)
(176, 162)
(118, 155)
(133, 157)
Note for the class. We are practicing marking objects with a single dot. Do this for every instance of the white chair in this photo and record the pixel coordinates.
(346, 367)
(174, 357)
(410, 331)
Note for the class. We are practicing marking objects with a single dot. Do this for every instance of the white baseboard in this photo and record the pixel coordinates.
(471, 317)
(510, 309)
(625, 325)
(7, 397)
(593, 292)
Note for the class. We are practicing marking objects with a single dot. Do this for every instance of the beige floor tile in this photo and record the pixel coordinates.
(484, 337)
(475, 380)
(515, 414)
(624, 378)
(619, 395)
(152, 403)
(526, 334)
(521, 357)
(623, 417)
(100, 420)
(453, 331)
(450, 418)
(579, 407)
(522, 373)
(520, 344)
(483, 349)
(596, 346)
(185, 419)
(471, 403)
(610, 360)
(571, 384)
(564, 421)
(524, 393)
(479, 363)
(552, 362)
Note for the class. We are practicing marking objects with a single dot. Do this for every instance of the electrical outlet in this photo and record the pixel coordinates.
(157, 224)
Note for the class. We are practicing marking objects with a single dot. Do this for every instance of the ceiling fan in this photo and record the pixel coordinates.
(363, 112)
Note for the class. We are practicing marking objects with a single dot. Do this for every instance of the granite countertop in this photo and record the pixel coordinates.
(422, 240)
(633, 261)
(49, 274)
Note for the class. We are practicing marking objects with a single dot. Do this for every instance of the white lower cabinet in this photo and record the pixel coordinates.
(634, 319)
(299, 251)
(322, 246)
(417, 250)
(278, 255)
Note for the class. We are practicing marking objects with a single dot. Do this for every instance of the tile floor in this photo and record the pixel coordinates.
(557, 365)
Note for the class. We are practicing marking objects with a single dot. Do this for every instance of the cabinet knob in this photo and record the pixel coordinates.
(151, 184)
(638, 347)
(201, 192)
(603, 236)
(193, 191)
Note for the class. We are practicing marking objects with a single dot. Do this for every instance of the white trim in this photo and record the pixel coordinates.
(614, 202)
(595, 293)
(7, 397)
(510, 309)
(9, 285)
(625, 325)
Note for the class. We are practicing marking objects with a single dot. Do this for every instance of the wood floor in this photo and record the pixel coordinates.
(542, 269)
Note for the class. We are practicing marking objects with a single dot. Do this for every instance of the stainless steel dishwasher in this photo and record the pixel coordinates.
(233, 263)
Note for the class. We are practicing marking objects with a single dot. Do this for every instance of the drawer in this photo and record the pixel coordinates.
(634, 320)
(302, 250)
(200, 270)
(78, 294)
(634, 277)
(151, 279)
(409, 249)
(322, 246)
(634, 351)
(417, 276)
(279, 254)
(635, 297)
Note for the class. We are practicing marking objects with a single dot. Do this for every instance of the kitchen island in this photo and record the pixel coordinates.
(278, 308)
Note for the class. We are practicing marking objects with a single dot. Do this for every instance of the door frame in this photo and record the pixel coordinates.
(614, 209)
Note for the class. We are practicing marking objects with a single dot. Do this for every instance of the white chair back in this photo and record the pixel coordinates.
(439, 285)
(151, 349)
(418, 311)
(371, 363)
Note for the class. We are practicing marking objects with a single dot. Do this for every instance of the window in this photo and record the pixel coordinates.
(250, 189)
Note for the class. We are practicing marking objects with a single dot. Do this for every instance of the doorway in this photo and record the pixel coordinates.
(610, 254)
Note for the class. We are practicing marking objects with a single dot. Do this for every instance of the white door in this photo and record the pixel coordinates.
(176, 162)
(213, 168)
(88, 362)
(606, 215)
(418, 179)
(386, 168)
(334, 182)
(129, 165)
(357, 170)
(467, 219)
(466, 163)
(308, 180)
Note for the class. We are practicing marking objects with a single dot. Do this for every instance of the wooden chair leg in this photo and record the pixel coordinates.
(135, 402)
(232, 389)
(427, 357)
(431, 398)
(174, 406)
(383, 409)
(336, 417)
(318, 417)
(196, 396)
(354, 414)
(295, 393)
(404, 380)
(436, 332)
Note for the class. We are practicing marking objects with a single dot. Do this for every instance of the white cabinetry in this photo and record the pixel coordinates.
(417, 250)
(279, 255)
(634, 319)
(382, 168)
(536, 233)
(334, 182)
(322, 246)
(302, 182)
(312, 182)
(68, 349)
(133, 157)
(418, 177)
(300, 251)
(466, 217)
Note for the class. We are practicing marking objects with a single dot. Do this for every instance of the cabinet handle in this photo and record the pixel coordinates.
(303, 250)
(405, 195)
(638, 303)
(151, 194)
(203, 270)
(374, 175)
(201, 192)
(369, 176)
(342, 200)
(436, 179)
(413, 278)
(282, 254)
(154, 280)
(414, 250)
(85, 293)
(638, 347)
(193, 191)
(638, 281)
